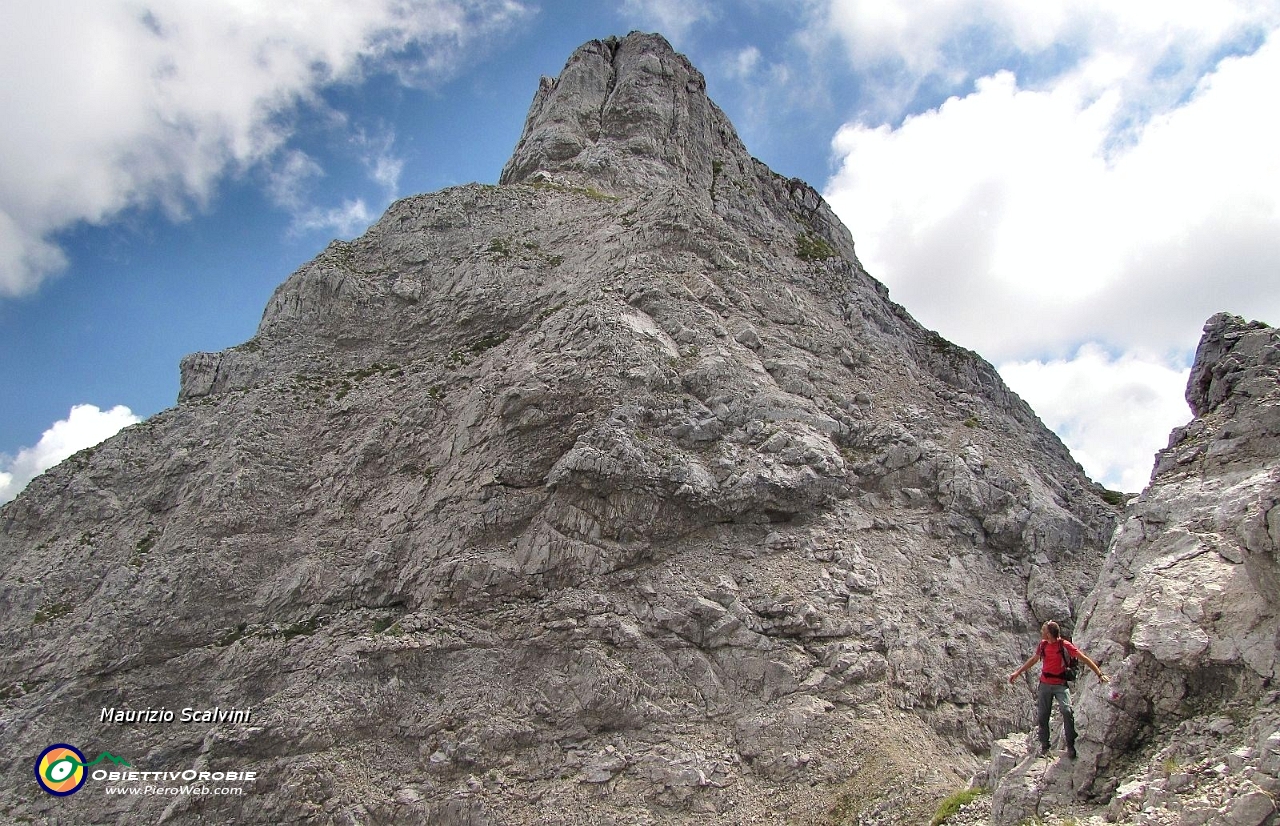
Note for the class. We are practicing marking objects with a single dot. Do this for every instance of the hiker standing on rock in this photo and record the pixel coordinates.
(1057, 655)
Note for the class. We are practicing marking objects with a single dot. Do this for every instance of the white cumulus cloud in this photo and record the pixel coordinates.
(1114, 413)
(117, 104)
(1008, 219)
(85, 426)
(291, 179)
(1155, 48)
(672, 18)
(346, 221)
(382, 164)
(743, 63)
(1025, 220)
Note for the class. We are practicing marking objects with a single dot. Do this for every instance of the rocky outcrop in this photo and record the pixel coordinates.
(1185, 614)
(624, 114)
(617, 491)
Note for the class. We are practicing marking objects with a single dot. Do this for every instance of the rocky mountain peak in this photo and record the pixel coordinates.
(624, 113)
(617, 490)
(1233, 356)
(1234, 392)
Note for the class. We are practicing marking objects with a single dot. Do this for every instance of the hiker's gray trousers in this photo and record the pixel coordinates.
(1044, 707)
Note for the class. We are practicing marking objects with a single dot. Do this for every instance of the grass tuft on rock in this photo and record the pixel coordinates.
(951, 804)
(811, 248)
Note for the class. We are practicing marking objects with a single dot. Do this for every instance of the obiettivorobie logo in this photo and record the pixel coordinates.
(60, 769)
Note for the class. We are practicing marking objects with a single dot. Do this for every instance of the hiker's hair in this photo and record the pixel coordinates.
(1052, 627)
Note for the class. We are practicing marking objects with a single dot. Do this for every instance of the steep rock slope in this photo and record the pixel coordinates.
(1185, 616)
(616, 491)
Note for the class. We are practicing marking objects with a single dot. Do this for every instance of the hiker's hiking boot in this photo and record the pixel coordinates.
(1071, 752)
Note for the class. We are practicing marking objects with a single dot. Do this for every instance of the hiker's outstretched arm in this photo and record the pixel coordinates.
(1089, 662)
(1035, 658)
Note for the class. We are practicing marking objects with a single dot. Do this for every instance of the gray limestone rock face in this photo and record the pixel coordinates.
(626, 114)
(617, 492)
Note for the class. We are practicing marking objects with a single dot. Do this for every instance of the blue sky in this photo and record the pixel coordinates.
(1070, 190)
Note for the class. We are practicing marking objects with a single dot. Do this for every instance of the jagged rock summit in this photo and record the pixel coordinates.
(618, 492)
(625, 114)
